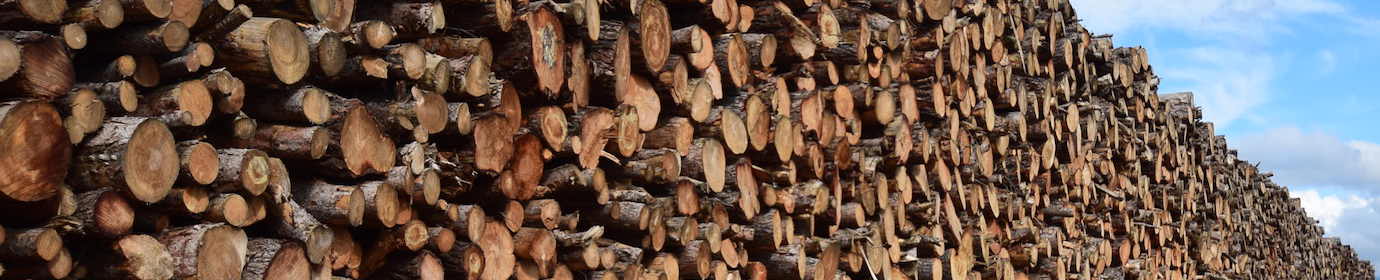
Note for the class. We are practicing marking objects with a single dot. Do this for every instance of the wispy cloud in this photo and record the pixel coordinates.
(1232, 69)
(1228, 82)
(1253, 19)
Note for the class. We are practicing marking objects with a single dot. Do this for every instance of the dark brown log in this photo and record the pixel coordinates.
(145, 38)
(41, 68)
(104, 214)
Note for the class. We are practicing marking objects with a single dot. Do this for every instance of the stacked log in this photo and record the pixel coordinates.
(651, 139)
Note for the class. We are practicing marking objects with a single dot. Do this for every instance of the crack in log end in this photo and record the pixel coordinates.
(548, 47)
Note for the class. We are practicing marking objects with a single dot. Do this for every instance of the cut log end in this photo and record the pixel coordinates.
(548, 49)
(151, 161)
(287, 51)
(221, 254)
(9, 59)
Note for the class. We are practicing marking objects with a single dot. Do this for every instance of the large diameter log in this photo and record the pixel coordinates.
(361, 146)
(275, 259)
(547, 45)
(206, 251)
(135, 155)
(34, 151)
(31, 12)
(497, 246)
(266, 50)
(41, 69)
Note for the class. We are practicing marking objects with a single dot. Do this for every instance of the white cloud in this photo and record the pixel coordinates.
(1227, 83)
(1327, 209)
(1351, 218)
(1314, 158)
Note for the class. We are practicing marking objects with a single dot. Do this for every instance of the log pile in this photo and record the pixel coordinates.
(646, 139)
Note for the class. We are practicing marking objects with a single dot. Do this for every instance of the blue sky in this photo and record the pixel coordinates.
(1294, 84)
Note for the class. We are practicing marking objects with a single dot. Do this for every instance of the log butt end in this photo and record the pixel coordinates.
(34, 151)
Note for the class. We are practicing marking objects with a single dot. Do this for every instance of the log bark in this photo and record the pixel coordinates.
(206, 251)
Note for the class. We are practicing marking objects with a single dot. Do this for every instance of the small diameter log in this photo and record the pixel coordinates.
(245, 170)
(104, 213)
(226, 90)
(34, 244)
(34, 151)
(465, 259)
(133, 256)
(40, 69)
(191, 97)
(59, 267)
(329, 203)
(730, 53)
(410, 20)
(305, 104)
(543, 213)
(275, 259)
(370, 34)
(327, 49)
(335, 15)
(706, 161)
(85, 113)
(288, 142)
(470, 74)
(441, 239)
(206, 251)
(230, 208)
(189, 200)
(654, 167)
(537, 245)
(291, 220)
(119, 93)
(381, 204)
(727, 125)
(422, 265)
(200, 162)
(266, 50)
(153, 38)
(571, 181)
(550, 123)
(676, 133)
(135, 155)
